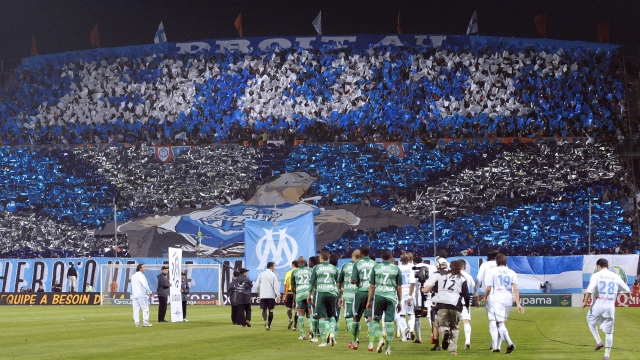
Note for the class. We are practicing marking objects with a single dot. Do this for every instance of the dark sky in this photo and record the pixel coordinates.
(64, 25)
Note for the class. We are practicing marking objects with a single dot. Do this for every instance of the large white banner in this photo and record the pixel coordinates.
(175, 261)
(624, 265)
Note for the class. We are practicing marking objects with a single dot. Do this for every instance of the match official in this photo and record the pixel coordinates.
(288, 295)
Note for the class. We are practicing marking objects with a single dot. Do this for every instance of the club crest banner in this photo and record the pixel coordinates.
(280, 242)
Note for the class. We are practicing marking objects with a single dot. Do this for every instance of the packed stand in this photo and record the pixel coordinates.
(400, 93)
(53, 201)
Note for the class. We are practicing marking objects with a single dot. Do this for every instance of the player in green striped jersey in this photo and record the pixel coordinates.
(324, 292)
(301, 284)
(384, 291)
(360, 277)
(348, 291)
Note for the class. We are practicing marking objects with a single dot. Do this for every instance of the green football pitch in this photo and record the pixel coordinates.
(108, 332)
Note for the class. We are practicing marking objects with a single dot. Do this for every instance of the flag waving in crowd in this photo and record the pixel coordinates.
(472, 29)
(317, 23)
(161, 36)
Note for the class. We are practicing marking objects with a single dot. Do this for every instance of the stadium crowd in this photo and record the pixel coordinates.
(397, 93)
(535, 194)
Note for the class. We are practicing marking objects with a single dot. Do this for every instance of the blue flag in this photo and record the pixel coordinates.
(160, 37)
(280, 242)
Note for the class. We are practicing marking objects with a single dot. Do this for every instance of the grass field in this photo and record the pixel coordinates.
(108, 332)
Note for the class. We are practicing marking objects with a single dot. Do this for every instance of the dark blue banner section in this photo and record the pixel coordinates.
(246, 45)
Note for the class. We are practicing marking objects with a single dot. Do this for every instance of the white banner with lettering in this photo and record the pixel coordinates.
(175, 296)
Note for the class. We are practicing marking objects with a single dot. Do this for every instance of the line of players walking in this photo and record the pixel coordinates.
(441, 294)
(369, 290)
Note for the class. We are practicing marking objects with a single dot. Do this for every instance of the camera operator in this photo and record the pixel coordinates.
(442, 266)
(422, 301)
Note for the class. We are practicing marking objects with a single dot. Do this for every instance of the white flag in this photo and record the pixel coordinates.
(473, 25)
(160, 37)
(317, 23)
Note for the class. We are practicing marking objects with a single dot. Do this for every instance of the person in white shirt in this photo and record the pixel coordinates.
(501, 291)
(140, 293)
(442, 265)
(483, 271)
(465, 315)
(268, 291)
(405, 320)
(451, 292)
(603, 286)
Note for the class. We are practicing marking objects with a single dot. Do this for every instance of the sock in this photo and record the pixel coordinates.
(332, 326)
(374, 330)
(411, 322)
(390, 332)
(324, 327)
(296, 317)
(355, 329)
(349, 324)
(467, 333)
(337, 328)
(493, 330)
(300, 323)
(504, 333)
(402, 325)
(312, 326)
(417, 330)
(608, 339)
(289, 314)
(270, 318)
(596, 334)
(264, 315)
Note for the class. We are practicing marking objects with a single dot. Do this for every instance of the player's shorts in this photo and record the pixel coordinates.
(601, 317)
(465, 314)
(406, 308)
(267, 304)
(289, 301)
(324, 305)
(383, 305)
(447, 318)
(360, 304)
(302, 304)
(348, 309)
(498, 311)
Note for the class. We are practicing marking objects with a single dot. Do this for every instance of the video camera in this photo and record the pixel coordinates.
(422, 274)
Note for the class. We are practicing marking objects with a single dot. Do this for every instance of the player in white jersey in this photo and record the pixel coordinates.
(465, 315)
(406, 316)
(501, 291)
(422, 302)
(603, 287)
(480, 286)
